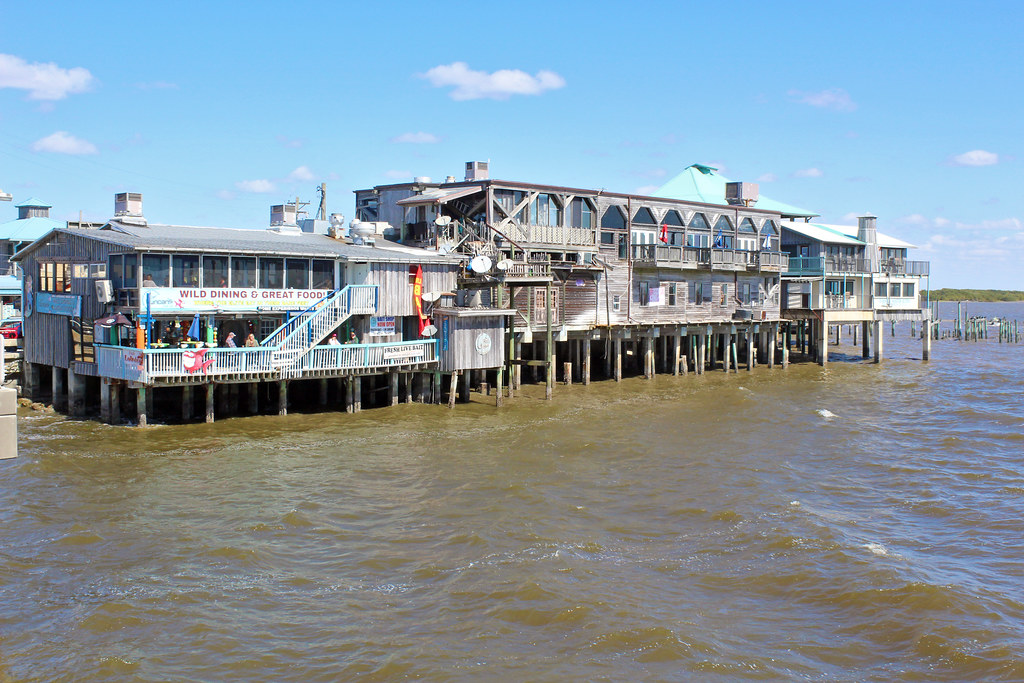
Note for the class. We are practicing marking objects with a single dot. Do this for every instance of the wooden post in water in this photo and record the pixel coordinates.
(282, 397)
(877, 333)
(140, 405)
(350, 402)
(675, 355)
(618, 360)
(453, 389)
(586, 360)
(209, 402)
(393, 388)
(549, 347)
(750, 349)
(865, 340)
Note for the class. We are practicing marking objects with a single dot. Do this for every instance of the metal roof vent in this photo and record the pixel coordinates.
(477, 170)
(128, 208)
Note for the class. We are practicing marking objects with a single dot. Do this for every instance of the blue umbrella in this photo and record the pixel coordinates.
(193, 330)
(720, 240)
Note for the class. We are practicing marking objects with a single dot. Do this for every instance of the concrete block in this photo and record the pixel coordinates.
(8, 436)
(8, 401)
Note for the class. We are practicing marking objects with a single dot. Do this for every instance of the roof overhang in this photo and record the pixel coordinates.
(439, 196)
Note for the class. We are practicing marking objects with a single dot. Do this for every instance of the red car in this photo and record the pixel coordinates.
(11, 329)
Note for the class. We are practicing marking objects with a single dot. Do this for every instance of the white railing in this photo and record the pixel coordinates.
(147, 365)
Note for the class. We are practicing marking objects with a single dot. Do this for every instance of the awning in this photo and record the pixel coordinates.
(819, 232)
(439, 195)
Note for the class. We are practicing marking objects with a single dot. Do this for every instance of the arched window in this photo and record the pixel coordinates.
(614, 218)
(644, 216)
(699, 222)
(673, 218)
(769, 240)
(723, 233)
(581, 213)
(747, 225)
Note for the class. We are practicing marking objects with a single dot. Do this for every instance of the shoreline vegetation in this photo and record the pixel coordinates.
(976, 295)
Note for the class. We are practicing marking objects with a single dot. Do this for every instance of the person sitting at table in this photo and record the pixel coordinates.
(230, 341)
(251, 340)
(333, 341)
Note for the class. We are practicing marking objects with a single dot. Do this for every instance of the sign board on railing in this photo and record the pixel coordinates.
(185, 299)
(404, 352)
(382, 325)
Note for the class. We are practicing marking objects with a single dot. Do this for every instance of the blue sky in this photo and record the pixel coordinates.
(215, 111)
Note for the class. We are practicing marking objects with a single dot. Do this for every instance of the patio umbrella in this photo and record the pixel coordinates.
(193, 330)
(111, 320)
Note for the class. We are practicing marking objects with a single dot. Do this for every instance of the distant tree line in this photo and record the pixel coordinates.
(976, 295)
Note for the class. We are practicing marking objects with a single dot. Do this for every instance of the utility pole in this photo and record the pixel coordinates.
(321, 213)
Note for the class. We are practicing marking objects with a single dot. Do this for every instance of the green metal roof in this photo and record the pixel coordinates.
(700, 183)
(34, 203)
(28, 229)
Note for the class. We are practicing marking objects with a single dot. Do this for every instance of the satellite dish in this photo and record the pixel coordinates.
(429, 331)
(442, 220)
(503, 264)
(430, 297)
(480, 264)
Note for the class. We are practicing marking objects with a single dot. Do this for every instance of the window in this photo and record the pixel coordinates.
(613, 218)
(82, 341)
(725, 293)
(508, 200)
(673, 218)
(582, 214)
(45, 277)
(185, 270)
(117, 271)
(745, 296)
(644, 216)
(671, 294)
(698, 239)
(607, 238)
(723, 233)
(80, 271)
(908, 289)
(699, 222)
(895, 289)
(623, 246)
(297, 273)
(271, 273)
(703, 289)
(243, 271)
(645, 293)
(156, 267)
(615, 303)
(545, 210)
(131, 271)
(881, 289)
(675, 238)
(215, 271)
(747, 225)
(323, 274)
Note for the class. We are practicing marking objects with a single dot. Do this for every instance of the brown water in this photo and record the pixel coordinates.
(723, 527)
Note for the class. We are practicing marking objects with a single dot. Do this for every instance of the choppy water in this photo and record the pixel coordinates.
(855, 523)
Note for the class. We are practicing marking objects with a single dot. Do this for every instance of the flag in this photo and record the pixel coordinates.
(664, 233)
(193, 330)
(417, 297)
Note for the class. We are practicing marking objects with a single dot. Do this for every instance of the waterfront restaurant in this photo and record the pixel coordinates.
(161, 310)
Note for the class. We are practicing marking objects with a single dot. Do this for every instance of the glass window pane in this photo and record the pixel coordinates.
(298, 273)
(243, 271)
(699, 222)
(323, 274)
(131, 271)
(908, 289)
(644, 216)
(156, 270)
(215, 271)
(185, 270)
(271, 273)
(117, 271)
(895, 289)
(613, 218)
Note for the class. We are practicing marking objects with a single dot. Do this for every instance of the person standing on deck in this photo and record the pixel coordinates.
(230, 341)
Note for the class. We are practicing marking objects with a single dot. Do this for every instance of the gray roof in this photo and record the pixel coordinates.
(185, 238)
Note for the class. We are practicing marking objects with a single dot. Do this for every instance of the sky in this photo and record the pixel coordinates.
(215, 111)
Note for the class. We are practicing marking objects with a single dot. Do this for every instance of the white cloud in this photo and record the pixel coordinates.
(499, 85)
(1011, 224)
(833, 98)
(767, 178)
(63, 142)
(261, 186)
(227, 195)
(976, 157)
(646, 189)
(397, 175)
(808, 173)
(419, 138)
(43, 81)
(302, 174)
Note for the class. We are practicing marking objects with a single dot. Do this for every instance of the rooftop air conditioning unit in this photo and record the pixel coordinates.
(741, 194)
(477, 170)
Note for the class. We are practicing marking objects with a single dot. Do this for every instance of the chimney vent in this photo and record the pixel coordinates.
(477, 170)
(741, 194)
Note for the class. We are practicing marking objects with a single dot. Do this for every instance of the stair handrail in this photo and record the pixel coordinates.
(344, 300)
(294, 320)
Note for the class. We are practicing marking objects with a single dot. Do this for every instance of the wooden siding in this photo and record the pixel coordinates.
(395, 291)
(459, 350)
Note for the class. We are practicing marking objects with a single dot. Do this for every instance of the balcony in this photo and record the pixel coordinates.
(669, 256)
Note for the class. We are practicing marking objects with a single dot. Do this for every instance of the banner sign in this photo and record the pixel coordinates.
(59, 304)
(404, 352)
(191, 300)
(382, 325)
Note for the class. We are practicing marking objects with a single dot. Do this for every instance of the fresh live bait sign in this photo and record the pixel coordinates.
(178, 299)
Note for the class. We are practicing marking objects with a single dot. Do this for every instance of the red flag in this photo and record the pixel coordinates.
(417, 297)
(664, 233)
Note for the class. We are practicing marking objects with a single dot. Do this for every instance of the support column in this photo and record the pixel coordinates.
(750, 349)
(105, 400)
(586, 359)
(498, 389)
(437, 387)
(453, 389)
(224, 400)
(821, 342)
(58, 395)
(186, 403)
(209, 402)
(648, 352)
(254, 398)
(357, 394)
(115, 404)
(30, 379)
(926, 338)
(76, 394)
(140, 406)
(771, 341)
(877, 332)
(282, 397)
(349, 399)
(393, 388)
(618, 360)
(726, 347)
(701, 348)
(549, 347)
(675, 355)
(865, 349)
(464, 378)
(517, 372)
(323, 392)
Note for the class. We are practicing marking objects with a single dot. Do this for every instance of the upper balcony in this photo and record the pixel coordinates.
(670, 256)
(903, 267)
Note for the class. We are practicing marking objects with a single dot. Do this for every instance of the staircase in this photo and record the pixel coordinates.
(295, 338)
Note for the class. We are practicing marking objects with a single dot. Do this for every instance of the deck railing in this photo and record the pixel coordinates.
(148, 365)
(521, 269)
(902, 267)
